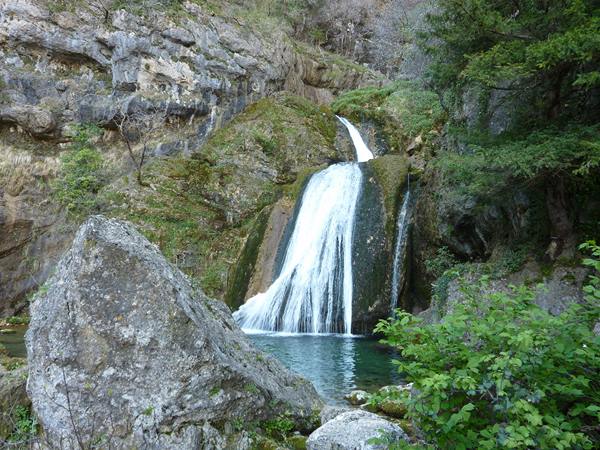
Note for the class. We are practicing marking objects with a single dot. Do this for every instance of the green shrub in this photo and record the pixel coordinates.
(25, 426)
(440, 262)
(17, 320)
(592, 289)
(279, 427)
(81, 173)
(500, 372)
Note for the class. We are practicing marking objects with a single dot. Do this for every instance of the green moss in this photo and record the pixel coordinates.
(242, 271)
(251, 388)
(391, 172)
(402, 110)
(293, 191)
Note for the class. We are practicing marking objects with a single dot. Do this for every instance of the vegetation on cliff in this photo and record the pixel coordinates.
(200, 210)
(501, 372)
(539, 62)
(402, 111)
(82, 173)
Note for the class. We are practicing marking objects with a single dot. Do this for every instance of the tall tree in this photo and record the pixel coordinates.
(547, 54)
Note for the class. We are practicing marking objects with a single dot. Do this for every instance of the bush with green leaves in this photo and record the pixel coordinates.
(500, 372)
(25, 427)
(81, 173)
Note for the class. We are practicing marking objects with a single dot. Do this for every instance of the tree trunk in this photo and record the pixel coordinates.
(562, 238)
(555, 100)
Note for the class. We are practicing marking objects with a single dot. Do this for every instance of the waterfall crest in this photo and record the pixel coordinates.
(399, 249)
(362, 151)
(313, 292)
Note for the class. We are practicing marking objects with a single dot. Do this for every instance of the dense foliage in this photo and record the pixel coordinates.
(521, 81)
(550, 47)
(500, 372)
(81, 172)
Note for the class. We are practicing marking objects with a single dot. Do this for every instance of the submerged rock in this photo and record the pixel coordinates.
(353, 430)
(124, 350)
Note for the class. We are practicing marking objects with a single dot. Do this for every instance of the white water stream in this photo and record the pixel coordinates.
(313, 292)
(399, 249)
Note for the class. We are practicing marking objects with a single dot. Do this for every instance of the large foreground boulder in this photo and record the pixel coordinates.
(355, 430)
(125, 353)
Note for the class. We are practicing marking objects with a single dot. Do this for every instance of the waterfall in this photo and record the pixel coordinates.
(313, 292)
(362, 151)
(399, 248)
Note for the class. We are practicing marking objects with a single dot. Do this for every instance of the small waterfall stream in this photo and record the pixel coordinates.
(400, 248)
(313, 292)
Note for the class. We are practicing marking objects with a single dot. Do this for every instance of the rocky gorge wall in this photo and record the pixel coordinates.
(66, 63)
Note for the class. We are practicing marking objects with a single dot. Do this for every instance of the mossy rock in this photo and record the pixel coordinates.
(242, 271)
(393, 408)
(402, 110)
(202, 210)
(391, 172)
(297, 442)
(371, 254)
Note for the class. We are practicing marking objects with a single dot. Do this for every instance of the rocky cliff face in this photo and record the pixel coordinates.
(65, 63)
(123, 350)
(75, 63)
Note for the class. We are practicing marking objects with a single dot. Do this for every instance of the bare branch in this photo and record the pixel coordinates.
(136, 128)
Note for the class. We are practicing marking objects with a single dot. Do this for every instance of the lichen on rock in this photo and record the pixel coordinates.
(123, 350)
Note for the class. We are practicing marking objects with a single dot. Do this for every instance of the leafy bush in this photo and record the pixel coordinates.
(440, 262)
(81, 173)
(17, 320)
(500, 372)
(592, 289)
(279, 427)
(25, 426)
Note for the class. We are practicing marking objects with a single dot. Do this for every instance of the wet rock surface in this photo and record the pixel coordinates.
(124, 344)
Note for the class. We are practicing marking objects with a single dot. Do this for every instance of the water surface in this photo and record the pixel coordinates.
(335, 364)
(13, 339)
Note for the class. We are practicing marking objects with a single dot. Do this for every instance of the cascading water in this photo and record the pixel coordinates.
(399, 248)
(362, 151)
(313, 292)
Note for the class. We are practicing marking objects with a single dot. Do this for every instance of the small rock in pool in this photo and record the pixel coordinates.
(357, 397)
(353, 430)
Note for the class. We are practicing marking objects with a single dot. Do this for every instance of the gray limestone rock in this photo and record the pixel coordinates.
(123, 349)
(330, 412)
(353, 430)
(37, 121)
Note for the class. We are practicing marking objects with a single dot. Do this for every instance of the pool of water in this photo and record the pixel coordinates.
(13, 339)
(335, 364)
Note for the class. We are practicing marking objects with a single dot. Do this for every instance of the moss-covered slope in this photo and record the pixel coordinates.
(200, 210)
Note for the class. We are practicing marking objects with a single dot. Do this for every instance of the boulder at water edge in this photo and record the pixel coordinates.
(353, 430)
(125, 353)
